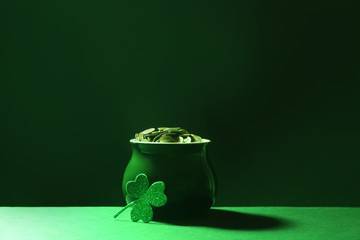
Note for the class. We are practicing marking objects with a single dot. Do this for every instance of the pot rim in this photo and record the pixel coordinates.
(171, 143)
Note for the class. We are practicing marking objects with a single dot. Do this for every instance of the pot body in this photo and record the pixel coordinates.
(185, 170)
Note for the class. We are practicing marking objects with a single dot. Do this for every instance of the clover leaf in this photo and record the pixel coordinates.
(146, 197)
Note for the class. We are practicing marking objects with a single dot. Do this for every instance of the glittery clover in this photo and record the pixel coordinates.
(146, 197)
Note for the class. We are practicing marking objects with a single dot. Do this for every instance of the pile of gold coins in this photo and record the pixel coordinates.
(167, 134)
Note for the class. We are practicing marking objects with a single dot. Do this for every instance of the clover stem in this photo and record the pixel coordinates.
(124, 208)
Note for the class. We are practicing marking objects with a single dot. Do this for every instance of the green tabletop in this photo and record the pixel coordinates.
(290, 223)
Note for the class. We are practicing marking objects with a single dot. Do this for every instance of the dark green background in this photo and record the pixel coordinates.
(274, 85)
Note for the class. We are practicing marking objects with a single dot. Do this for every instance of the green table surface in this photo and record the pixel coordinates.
(290, 223)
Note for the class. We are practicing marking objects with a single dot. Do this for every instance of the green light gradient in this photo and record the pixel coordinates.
(280, 223)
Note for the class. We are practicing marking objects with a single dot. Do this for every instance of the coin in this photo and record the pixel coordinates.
(157, 137)
(166, 138)
(196, 138)
(148, 131)
(183, 131)
(174, 130)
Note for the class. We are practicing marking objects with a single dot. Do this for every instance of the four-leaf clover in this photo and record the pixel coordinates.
(146, 197)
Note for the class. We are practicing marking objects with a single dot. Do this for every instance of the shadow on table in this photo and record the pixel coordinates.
(217, 218)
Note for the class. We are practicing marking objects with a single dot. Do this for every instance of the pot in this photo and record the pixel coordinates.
(185, 170)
